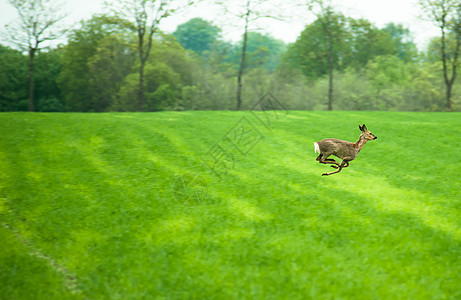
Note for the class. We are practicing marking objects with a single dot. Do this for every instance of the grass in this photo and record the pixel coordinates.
(126, 206)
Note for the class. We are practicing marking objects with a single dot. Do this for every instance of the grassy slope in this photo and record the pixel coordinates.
(96, 196)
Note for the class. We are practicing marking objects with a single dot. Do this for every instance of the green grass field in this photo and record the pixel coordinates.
(225, 205)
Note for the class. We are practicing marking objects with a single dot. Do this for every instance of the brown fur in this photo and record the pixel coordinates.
(345, 150)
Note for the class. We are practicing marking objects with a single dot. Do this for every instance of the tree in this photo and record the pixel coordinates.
(222, 57)
(331, 25)
(77, 78)
(432, 53)
(112, 61)
(321, 47)
(364, 42)
(197, 35)
(143, 17)
(167, 72)
(264, 51)
(403, 42)
(47, 91)
(13, 75)
(249, 12)
(39, 22)
(446, 14)
(335, 43)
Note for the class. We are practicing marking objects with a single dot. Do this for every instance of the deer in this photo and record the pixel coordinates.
(345, 150)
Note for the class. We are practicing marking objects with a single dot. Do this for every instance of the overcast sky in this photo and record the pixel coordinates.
(378, 12)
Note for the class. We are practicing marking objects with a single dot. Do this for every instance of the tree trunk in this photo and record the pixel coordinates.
(330, 68)
(449, 82)
(242, 60)
(240, 73)
(445, 70)
(448, 97)
(330, 85)
(141, 94)
(142, 62)
(31, 78)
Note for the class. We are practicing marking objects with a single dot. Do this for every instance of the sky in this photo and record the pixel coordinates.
(378, 12)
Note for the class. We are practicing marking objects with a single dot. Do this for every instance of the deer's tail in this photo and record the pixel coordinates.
(316, 147)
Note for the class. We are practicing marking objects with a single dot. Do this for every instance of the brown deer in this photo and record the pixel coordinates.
(345, 150)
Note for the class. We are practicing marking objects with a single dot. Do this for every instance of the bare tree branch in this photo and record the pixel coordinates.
(446, 14)
(38, 22)
(143, 17)
(248, 12)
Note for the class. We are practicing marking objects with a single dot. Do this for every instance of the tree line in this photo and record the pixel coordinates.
(123, 62)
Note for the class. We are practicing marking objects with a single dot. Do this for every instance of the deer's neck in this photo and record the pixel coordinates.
(360, 143)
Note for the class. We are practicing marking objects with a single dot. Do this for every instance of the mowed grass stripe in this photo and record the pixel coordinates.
(96, 193)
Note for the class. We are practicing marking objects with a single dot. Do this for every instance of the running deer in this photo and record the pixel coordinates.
(345, 150)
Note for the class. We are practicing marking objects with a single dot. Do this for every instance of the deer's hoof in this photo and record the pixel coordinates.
(325, 174)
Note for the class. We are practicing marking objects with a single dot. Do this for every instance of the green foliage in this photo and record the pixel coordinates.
(86, 49)
(389, 78)
(401, 37)
(93, 197)
(355, 43)
(365, 42)
(291, 87)
(50, 105)
(162, 85)
(385, 84)
(48, 66)
(108, 67)
(374, 69)
(166, 73)
(211, 91)
(263, 51)
(97, 71)
(388, 70)
(13, 79)
(127, 94)
(221, 58)
(167, 50)
(203, 37)
(197, 35)
(446, 15)
(310, 51)
(433, 52)
(395, 85)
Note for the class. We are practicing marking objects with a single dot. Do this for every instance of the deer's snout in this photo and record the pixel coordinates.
(375, 137)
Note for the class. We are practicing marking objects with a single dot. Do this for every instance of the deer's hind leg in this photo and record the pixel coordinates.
(344, 164)
(323, 159)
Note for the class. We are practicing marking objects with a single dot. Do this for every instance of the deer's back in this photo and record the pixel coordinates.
(338, 148)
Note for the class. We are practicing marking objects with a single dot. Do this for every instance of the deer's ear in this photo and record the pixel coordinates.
(361, 128)
(364, 128)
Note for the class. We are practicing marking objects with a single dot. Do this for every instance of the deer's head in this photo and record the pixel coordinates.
(366, 133)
